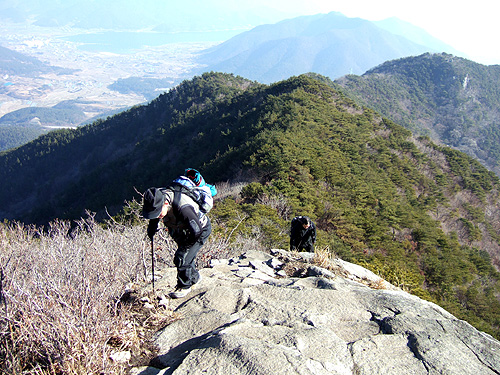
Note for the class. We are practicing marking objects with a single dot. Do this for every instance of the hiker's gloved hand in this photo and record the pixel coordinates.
(153, 228)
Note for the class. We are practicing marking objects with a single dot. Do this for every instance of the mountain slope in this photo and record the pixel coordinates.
(15, 63)
(423, 216)
(329, 44)
(453, 100)
(65, 114)
(89, 158)
(415, 34)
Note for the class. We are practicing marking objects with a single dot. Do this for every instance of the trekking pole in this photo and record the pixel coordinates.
(153, 264)
(1, 287)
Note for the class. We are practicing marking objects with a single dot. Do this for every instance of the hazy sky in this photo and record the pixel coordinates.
(468, 26)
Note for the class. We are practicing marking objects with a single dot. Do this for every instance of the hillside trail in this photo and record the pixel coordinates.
(153, 310)
(286, 313)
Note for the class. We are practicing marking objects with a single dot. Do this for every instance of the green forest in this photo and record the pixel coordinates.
(148, 87)
(380, 196)
(18, 128)
(453, 100)
(14, 136)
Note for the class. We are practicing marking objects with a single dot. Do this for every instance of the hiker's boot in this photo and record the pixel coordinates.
(199, 279)
(180, 292)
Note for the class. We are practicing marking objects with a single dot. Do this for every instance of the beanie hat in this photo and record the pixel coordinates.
(194, 175)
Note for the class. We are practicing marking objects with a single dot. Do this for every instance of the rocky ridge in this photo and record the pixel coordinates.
(246, 316)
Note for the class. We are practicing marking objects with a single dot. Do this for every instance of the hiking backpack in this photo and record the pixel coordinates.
(202, 196)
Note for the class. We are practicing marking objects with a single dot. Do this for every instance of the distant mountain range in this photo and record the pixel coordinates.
(329, 44)
(415, 34)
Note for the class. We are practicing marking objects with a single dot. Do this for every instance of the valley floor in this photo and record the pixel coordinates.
(93, 71)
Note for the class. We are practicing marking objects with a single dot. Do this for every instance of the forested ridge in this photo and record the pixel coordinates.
(423, 216)
(453, 100)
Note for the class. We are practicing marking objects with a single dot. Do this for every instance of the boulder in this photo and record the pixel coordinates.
(244, 318)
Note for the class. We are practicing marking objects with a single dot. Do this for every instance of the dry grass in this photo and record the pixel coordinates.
(323, 257)
(379, 284)
(295, 266)
(64, 308)
(61, 295)
(227, 189)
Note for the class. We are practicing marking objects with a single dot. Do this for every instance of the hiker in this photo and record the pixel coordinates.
(183, 212)
(302, 234)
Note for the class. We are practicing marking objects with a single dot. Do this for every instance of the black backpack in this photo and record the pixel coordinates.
(194, 193)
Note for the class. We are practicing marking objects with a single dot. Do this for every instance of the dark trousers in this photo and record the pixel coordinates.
(184, 258)
(309, 247)
(300, 245)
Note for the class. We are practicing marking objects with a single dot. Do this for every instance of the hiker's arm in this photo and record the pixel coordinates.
(192, 223)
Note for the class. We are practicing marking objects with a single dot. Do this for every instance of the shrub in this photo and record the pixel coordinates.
(64, 293)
